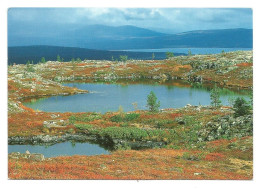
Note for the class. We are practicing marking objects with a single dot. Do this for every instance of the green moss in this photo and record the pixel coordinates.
(124, 117)
(84, 117)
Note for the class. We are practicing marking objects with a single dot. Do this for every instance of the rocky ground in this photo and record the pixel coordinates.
(233, 69)
(24, 82)
(196, 142)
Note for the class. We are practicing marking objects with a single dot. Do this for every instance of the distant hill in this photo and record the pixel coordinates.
(120, 32)
(128, 37)
(21, 54)
(229, 38)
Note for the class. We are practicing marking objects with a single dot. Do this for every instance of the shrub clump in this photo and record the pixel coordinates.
(215, 97)
(84, 117)
(241, 107)
(152, 103)
(124, 117)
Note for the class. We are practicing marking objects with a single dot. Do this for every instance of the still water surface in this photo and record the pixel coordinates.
(105, 97)
(60, 149)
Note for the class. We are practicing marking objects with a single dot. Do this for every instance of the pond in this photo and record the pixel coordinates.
(60, 149)
(104, 97)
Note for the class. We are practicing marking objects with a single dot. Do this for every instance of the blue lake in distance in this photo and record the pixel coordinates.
(193, 50)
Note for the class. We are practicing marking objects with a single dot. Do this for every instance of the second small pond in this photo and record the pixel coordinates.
(60, 149)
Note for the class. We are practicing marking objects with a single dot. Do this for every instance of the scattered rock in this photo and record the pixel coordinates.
(54, 116)
(55, 123)
(26, 155)
(180, 120)
(227, 126)
(37, 157)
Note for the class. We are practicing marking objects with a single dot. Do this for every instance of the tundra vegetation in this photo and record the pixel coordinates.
(192, 142)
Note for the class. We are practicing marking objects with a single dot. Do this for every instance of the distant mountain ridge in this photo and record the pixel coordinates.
(118, 31)
(129, 37)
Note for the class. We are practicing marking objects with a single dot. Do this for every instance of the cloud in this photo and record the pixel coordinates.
(160, 19)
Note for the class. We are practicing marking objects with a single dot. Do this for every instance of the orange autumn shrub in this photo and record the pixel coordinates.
(128, 164)
(12, 85)
(174, 115)
(30, 123)
(26, 108)
(81, 64)
(214, 157)
(244, 64)
(219, 142)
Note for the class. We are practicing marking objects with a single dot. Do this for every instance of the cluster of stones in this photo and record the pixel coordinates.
(214, 61)
(33, 82)
(223, 63)
(14, 106)
(26, 155)
(55, 123)
(227, 127)
(48, 139)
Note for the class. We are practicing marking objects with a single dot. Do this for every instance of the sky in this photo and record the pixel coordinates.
(167, 20)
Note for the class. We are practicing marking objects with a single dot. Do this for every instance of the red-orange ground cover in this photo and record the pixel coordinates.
(30, 123)
(244, 64)
(130, 164)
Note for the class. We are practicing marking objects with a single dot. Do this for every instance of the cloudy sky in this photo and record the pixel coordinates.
(168, 20)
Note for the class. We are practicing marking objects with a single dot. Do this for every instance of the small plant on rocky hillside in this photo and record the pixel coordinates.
(121, 109)
(215, 97)
(241, 107)
(169, 55)
(43, 60)
(123, 58)
(189, 52)
(29, 67)
(153, 56)
(251, 100)
(135, 105)
(58, 58)
(152, 103)
(78, 60)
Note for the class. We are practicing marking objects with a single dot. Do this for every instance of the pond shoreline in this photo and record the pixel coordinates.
(81, 138)
(190, 79)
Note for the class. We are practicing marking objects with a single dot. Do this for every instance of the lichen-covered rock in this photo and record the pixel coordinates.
(55, 123)
(227, 127)
(29, 156)
(37, 157)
